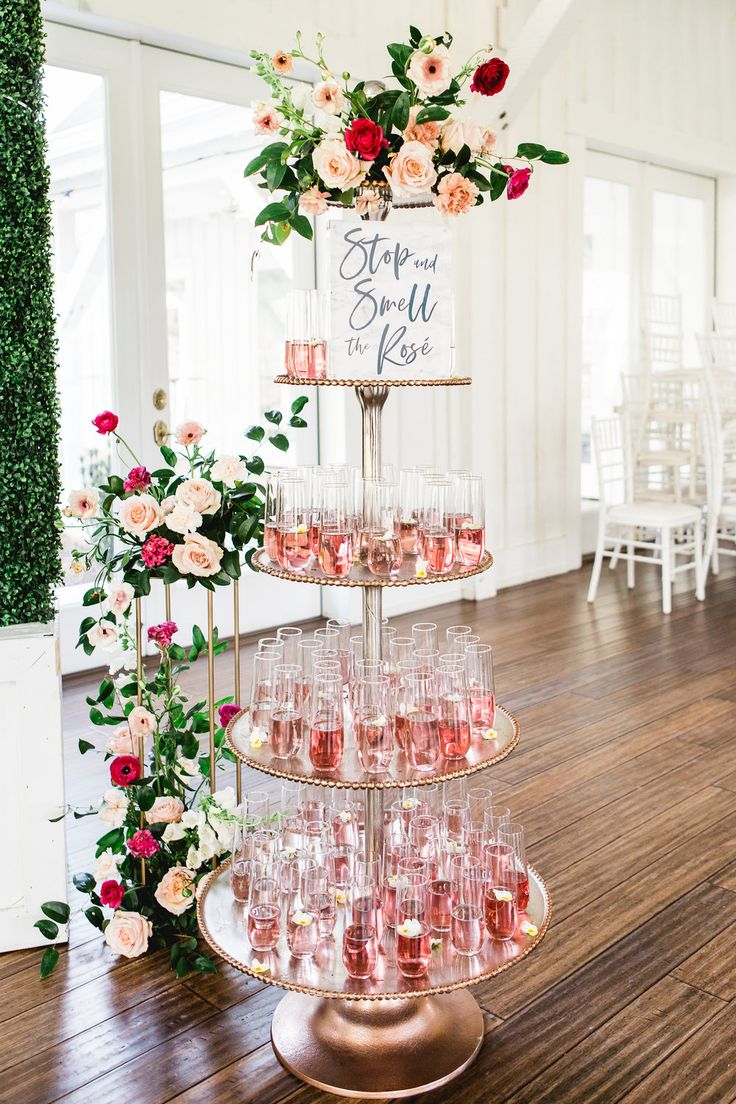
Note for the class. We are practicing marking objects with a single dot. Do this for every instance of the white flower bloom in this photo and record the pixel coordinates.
(193, 818)
(229, 470)
(259, 967)
(503, 895)
(107, 866)
(183, 519)
(303, 919)
(225, 798)
(209, 845)
(194, 859)
(114, 809)
(410, 928)
(529, 929)
(174, 832)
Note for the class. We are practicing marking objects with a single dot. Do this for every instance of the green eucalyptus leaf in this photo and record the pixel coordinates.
(298, 404)
(280, 442)
(56, 910)
(47, 928)
(554, 157)
(532, 150)
(48, 962)
(85, 883)
(255, 433)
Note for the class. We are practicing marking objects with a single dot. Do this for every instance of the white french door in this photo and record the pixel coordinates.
(168, 310)
(646, 229)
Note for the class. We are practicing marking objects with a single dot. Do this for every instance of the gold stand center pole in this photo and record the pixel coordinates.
(211, 690)
(139, 701)
(236, 680)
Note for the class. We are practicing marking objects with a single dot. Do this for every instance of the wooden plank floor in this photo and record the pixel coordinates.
(626, 779)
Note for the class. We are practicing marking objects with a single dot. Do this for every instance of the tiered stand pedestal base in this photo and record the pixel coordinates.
(388, 1036)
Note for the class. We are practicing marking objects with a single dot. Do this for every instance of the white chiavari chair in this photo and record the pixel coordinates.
(724, 316)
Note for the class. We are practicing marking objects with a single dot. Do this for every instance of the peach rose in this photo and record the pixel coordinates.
(336, 165)
(430, 72)
(282, 62)
(457, 133)
(411, 170)
(142, 722)
(313, 201)
(139, 514)
(229, 470)
(83, 504)
(327, 96)
(120, 742)
(455, 194)
(182, 518)
(165, 810)
(200, 495)
(189, 433)
(127, 934)
(115, 808)
(119, 597)
(426, 133)
(488, 144)
(103, 635)
(267, 120)
(175, 891)
(198, 555)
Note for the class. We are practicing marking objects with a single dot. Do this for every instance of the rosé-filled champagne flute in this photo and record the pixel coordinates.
(438, 535)
(302, 923)
(425, 838)
(270, 514)
(263, 689)
(360, 944)
(501, 910)
(367, 903)
(454, 711)
(410, 500)
(285, 728)
(511, 835)
(305, 659)
(340, 865)
(264, 910)
(326, 728)
(479, 670)
(256, 809)
(341, 626)
(242, 866)
(385, 554)
(394, 850)
(336, 532)
(413, 928)
(373, 730)
(319, 900)
(421, 733)
(272, 646)
(292, 519)
(305, 352)
(470, 524)
(467, 927)
(399, 700)
(344, 817)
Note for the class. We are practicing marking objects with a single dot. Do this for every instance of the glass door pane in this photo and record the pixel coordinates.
(680, 260)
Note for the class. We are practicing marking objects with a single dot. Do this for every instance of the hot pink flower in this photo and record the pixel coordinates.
(365, 138)
(125, 770)
(139, 479)
(518, 181)
(162, 634)
(227, 712)
(106, 422)
(156, 551)
(112, 893)
(142, 844)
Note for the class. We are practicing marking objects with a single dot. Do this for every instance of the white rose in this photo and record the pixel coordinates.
(119, 597)
(103, 635)
(200, 495)
(192, 818)
(183, 518)
(174, 832)
(229, 470)
(187, 769)
(107, 866)
(225, 798)
(115, 808)
(457, 133)
(83, 504)
(127, 934)
(209, 845)
(165, 810)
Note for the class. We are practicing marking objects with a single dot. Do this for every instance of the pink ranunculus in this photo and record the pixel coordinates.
(156, 551)
(282, 63)
(128, 933)
(227, 712)
(165, 810)
(336, 166)
(189, 433)
(112, 893)
(142, 722)
(138, 479)
(143, 844)
(198, 556)
(84, 504)
(411, 170)
(426, 133)
(267, 120)
(140, 514)
(106, 422)
(125, 770)
(518, 181)
(328, 96)
(455, 194)
(430, 72)
(161, 634)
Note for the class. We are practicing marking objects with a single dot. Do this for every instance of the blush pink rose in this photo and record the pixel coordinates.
(426, 133)
(140, 514)
(119, 597)
(327, 96)
(120, 742)
(165, 810)
(198, 555)
(103, 635)
(336, 166)
(411, 170)
(84, 504)
(114, 810)
(455, 194)
(128, 933)
(200, 494)
(267, 120)
(430, 72)
(457, 133)
(489, 142)
(142, 722)
(313, 201)
(188, 433)
(175, 891)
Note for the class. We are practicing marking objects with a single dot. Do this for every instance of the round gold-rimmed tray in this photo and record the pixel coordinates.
(222, 921)
(361, 577)
(447, 381)
(350, 774)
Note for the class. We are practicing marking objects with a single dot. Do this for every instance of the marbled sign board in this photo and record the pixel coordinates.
(390, 300)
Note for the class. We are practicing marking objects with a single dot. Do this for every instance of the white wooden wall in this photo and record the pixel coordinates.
(647, 78)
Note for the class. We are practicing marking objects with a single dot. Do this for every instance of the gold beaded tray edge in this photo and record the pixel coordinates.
(448, 381)
(369, 783)
(320, 580)
(208, 881)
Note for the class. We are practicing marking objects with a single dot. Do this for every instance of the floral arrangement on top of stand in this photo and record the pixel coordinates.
(366, 145)
(161, 825)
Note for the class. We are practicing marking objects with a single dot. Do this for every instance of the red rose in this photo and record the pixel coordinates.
(365, 138)
(125, 770)
(518, 182)
(142, 844)
(112, 893)
(227, 712)
(490, 77)
(106, 422)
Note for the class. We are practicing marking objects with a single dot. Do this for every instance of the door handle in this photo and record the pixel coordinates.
(160, 399)
(160, 432)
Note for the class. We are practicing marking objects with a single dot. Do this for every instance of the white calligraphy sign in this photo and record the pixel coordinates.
(390, 301)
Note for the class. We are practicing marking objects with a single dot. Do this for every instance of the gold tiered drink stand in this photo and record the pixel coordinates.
(388, 1036)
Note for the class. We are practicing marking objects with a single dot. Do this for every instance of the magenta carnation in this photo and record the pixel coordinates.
(156, 551)
(142, 844)
(162, 634)
(139, 479)
(227, 712)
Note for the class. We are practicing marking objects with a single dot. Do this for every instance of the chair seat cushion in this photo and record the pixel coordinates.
(654, 514)
(675, 458)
